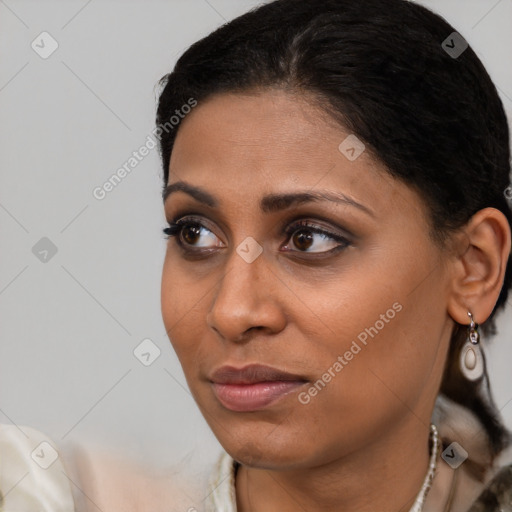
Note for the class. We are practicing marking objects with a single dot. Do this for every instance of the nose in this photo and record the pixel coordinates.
(247, 300)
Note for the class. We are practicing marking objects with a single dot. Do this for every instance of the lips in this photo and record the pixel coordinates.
(253, 387)
(251, 374)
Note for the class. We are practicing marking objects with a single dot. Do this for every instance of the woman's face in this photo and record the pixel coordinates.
(351, 302)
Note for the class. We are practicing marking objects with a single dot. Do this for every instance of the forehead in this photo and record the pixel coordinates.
(270, 141)
(264, 125)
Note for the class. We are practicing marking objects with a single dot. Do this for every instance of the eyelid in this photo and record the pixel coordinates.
(341, 230)
(191, 218)
(315, 219)
(196, 215)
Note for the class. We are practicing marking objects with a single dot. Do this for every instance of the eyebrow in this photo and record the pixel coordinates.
(270, 203)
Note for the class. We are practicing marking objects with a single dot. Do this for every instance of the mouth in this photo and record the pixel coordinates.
(253, 387)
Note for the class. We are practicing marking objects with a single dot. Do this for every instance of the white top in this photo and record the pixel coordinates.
(37, 475)
(222, 496)
(32, 476)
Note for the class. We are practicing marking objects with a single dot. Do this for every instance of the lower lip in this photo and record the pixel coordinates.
(251, 397)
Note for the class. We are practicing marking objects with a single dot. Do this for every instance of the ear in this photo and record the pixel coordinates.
(479, 267)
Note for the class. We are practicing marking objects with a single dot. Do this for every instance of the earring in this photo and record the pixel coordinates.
(471, 359)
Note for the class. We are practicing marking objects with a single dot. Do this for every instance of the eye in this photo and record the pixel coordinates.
(306, 237)
(188, 231)
(303, 237)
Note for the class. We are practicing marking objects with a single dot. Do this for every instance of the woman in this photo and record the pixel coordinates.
(335, 178)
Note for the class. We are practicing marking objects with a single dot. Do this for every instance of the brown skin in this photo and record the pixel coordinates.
(362, 441)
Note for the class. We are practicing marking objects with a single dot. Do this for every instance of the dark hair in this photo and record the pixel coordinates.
(379, 67)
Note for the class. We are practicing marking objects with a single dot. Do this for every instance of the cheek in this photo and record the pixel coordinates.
(169, 296)
(362, 386)
(181, 311)
(380, 337)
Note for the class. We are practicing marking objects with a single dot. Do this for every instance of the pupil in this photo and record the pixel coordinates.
(194, 229)
(303, 237)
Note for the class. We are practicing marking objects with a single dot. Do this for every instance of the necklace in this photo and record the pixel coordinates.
(427, 483)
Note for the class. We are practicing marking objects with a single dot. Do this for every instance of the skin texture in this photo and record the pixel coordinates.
(362, 441)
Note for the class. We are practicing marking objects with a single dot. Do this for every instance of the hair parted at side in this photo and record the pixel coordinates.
(378, 68)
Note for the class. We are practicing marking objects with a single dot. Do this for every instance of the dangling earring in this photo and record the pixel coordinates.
(471, 359)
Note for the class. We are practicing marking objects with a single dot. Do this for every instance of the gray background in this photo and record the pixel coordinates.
(69, 325)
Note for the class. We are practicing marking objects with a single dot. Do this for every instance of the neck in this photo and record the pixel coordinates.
(385, 475)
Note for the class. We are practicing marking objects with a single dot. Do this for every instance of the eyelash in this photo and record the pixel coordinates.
(176, 226)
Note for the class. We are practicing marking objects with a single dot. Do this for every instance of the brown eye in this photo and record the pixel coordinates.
(303, 237)
(303, 240)
(311, 239)
(190, 233)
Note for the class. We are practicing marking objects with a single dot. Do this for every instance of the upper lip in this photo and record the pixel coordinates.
(251, 374)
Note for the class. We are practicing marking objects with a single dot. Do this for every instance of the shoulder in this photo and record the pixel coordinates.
(32, 475)
(35, 474)
(113, 482)
(497, 495)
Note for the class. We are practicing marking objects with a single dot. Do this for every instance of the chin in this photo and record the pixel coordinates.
(268, 447)
(261, 456)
